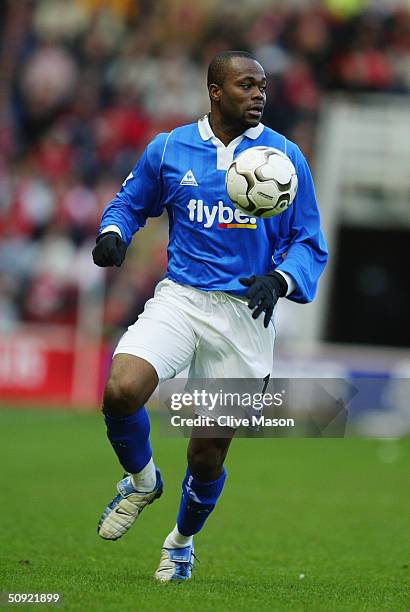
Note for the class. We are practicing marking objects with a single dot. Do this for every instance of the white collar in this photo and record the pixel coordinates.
(206, 132)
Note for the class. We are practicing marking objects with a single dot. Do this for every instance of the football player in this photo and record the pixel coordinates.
(213, 311)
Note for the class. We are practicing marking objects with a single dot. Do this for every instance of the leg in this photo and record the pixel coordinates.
(131, 382)
(201, 488)
(160, 344)
(234, 345)
(203, 481)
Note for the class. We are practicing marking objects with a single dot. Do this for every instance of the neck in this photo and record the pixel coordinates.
(226, 132)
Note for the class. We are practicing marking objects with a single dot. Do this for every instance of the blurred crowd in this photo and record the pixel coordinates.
(85, 84)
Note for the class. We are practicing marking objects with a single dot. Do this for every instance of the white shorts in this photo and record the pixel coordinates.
(209, 332)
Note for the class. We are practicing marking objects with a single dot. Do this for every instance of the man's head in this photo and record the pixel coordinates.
(236, 85)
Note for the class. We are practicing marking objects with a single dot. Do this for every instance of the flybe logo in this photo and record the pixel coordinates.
(225, 216)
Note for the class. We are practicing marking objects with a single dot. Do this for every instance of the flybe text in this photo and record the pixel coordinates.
(200, 212)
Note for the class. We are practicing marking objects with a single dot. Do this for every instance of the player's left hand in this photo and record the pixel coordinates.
(263, 293)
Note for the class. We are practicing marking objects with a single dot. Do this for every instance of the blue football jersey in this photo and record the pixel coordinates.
(212, 243)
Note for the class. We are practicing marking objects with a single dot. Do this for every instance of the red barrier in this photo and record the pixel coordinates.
(51, 366)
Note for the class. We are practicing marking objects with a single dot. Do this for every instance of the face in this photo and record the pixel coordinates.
(242, 96)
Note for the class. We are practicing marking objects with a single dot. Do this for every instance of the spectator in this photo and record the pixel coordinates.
(84, 86)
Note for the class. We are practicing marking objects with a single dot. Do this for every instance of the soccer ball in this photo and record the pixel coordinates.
(262, 181)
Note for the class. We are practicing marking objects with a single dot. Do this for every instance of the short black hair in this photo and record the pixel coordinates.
(218, 67)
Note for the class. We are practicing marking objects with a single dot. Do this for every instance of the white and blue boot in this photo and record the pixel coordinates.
(125, 508)
(175, 564)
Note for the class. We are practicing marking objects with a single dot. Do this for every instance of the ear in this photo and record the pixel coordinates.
(214, 92)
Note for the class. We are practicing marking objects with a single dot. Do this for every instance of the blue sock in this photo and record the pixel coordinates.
(197, 502)
(129, 437)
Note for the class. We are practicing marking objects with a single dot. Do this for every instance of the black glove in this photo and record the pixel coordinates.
(110, 250)
(263, 293)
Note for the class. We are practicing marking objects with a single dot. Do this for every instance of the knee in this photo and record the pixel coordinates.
(206, 464)
(131, 383)
(121, 396)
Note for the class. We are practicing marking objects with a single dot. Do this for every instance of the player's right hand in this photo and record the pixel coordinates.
(110, 250)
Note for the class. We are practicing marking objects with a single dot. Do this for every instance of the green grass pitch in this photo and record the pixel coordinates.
(301, 525)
